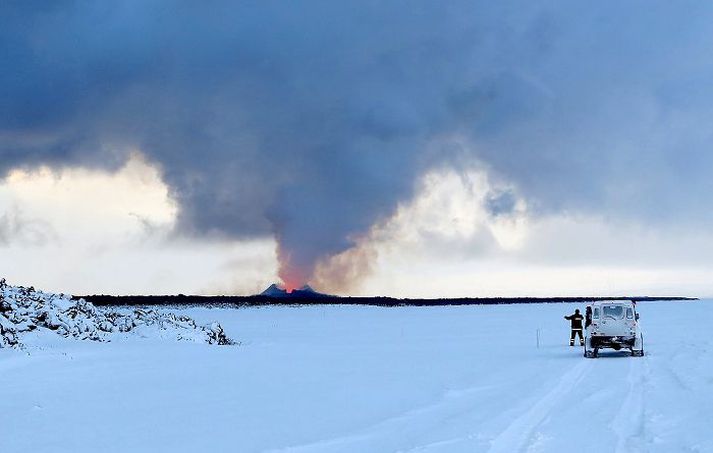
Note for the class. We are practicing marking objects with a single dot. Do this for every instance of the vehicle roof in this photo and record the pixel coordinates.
(612, 302)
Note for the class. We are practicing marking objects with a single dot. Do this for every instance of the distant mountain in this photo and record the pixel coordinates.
(276, 290)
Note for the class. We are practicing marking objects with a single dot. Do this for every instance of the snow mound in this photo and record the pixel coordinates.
(24, 309)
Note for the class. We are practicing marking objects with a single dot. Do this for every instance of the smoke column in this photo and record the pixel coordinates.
(310, 121)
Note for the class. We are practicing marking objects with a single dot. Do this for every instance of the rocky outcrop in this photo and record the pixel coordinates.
(24, 310)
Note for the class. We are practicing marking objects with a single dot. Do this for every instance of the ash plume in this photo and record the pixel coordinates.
(311, 121)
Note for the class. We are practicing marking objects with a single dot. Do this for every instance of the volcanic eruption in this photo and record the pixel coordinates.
(276, 290)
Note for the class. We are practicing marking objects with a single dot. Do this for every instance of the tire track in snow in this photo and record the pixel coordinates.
(519, 434)
(408, 422)
(628, 424)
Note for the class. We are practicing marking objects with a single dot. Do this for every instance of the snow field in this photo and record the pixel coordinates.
(368, 379)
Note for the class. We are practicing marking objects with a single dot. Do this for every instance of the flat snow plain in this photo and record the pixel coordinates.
(368, 379)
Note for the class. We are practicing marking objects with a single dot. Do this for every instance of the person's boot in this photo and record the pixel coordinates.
(571, 343)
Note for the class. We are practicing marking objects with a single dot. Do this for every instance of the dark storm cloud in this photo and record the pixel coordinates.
(312, 120)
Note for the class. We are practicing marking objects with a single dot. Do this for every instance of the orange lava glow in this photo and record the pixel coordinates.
(290, 285)
(292, 276)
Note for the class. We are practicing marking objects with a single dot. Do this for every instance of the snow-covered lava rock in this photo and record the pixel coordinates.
(24, 309)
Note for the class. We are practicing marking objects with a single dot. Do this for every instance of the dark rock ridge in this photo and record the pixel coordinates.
(321, 299)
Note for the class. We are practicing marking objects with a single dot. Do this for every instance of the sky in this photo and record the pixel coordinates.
(403, 148)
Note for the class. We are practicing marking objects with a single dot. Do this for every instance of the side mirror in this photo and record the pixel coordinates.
(637, 316)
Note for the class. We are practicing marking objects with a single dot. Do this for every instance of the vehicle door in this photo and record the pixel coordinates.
(613, 320)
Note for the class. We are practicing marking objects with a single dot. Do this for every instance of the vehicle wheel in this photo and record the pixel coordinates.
(588, 353)
(639, 352)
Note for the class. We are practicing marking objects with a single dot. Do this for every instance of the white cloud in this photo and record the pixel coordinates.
(112, 233)
(89, 205)
(445, 243)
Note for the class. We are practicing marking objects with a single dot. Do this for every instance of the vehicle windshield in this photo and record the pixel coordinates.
(613, 311)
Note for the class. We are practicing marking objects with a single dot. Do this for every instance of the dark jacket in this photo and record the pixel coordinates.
(576, 320)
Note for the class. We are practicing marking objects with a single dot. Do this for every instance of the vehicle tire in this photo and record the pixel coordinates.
(639, 352)
(588, 353)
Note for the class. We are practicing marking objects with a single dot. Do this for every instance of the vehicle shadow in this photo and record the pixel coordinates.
(614, 354)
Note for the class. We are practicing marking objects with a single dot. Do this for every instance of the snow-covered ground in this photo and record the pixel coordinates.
(367, 379)
(29, 317)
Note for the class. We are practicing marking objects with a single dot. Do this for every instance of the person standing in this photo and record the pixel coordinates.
(576, 325)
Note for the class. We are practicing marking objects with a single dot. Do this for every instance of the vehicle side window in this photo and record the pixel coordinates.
(629, 313)
(596, 313)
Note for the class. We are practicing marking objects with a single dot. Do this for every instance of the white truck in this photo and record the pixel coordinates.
(612, 324)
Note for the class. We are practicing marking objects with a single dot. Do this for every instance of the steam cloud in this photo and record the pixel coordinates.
(310, 121)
